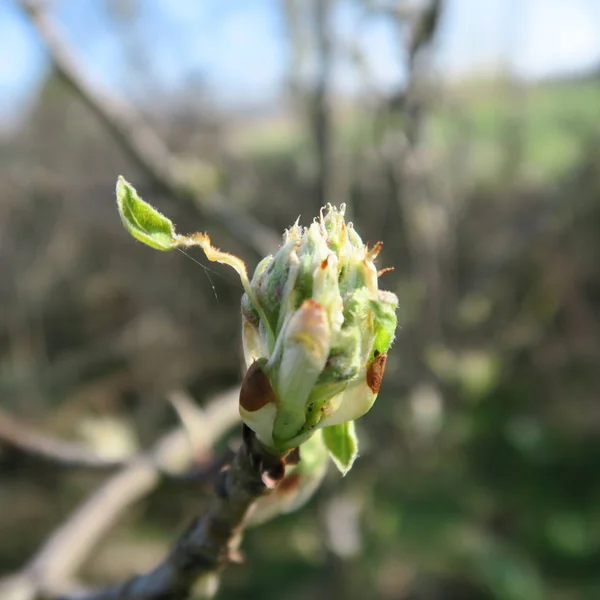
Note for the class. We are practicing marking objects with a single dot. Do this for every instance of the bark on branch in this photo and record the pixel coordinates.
(59, 559)
(211, 542)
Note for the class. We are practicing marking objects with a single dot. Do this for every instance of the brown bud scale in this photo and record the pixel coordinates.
(256, 390)
(375, 372)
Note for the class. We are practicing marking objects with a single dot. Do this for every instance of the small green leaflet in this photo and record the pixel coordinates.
(342, 445)
(142, 221)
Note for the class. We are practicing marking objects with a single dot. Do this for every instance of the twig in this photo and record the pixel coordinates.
(67, 548)
(139, 140)
(210, 543)
(24, 440)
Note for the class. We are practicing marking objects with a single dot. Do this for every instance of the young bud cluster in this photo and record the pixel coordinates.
(316, 330)
(315, 325)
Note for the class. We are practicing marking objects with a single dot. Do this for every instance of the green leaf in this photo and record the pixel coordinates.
(385, 322)
(143, 221)
(342, 445)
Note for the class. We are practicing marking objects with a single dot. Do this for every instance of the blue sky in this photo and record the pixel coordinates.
(238, 47)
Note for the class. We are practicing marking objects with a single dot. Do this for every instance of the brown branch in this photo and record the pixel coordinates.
(211, 542)
(20, 438)
(67, 548)
(139, 140)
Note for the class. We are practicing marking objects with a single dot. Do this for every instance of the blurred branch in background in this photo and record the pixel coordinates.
(17, 437)
(55, 566)
(310, 79)
(321, 100)
(142, 143)
(422, 213)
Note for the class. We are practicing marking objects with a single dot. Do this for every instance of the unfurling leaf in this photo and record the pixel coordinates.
(342, 445)
(143, 221)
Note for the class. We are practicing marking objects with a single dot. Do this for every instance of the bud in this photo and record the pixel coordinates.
(317, 353)
(315, 327)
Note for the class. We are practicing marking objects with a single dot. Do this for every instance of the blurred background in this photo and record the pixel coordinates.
(464, 134)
